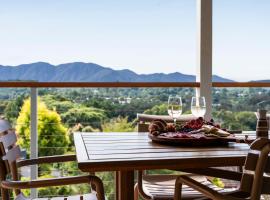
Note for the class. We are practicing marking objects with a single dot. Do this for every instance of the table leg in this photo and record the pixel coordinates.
(126, 185)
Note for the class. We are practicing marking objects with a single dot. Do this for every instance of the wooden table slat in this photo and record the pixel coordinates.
(145, 151)
(161, 155)
(149, 145)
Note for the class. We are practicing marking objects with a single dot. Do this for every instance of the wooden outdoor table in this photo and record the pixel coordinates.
(126, 152)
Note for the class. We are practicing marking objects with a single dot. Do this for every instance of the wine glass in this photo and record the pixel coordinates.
(174, 107)
(198, 106)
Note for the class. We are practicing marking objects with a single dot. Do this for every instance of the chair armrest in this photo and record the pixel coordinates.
(57, 182)
(46, 159)
(208, 192)
(9, 184)
(215, 172)
(148, 118)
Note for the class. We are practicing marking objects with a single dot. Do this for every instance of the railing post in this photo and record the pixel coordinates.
(34, 138)
(204, 59)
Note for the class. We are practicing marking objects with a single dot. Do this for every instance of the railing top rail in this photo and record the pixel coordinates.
(241, 84)
(24, 84)
(98, 84)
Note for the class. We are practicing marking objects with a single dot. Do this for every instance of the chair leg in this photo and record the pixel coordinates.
(99, 189)
(93, 187)
(136, 192)
(178, 189)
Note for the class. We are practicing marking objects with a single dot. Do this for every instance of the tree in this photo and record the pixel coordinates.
(51, 132)
(58, 103)
(247, 120)
(12, 109)
(79, 128)
(158, 110)
(118, 125)
(3, 105)
(84, 115)
(236, 120)
(101, 103)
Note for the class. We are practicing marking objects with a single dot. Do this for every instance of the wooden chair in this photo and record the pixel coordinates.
(161, 187)
(253, 181)
(145, 119)
(10, 163)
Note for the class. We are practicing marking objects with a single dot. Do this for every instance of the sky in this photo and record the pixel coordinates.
(146, 36)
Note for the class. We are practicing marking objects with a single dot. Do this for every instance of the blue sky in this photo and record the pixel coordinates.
(145, 36)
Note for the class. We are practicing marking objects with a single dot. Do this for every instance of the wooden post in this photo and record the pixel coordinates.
(204, 59)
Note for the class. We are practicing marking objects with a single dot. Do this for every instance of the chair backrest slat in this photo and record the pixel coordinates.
(9, 139)
(257, 164)
(251, 162)
(246, 182)
(4, 126)
(9, 151)
(142, 127)
(13, 154)
(149, 118)
(267, 167)
(266, 185)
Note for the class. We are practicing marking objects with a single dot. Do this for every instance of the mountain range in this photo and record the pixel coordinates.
(87, 72)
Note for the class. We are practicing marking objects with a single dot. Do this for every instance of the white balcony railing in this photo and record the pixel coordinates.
(34, 86)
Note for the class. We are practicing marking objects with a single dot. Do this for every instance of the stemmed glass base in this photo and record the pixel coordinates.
(174, 107)
(174, 121)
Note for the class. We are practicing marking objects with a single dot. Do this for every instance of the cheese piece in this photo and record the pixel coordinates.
(209, 129)
(223, 133)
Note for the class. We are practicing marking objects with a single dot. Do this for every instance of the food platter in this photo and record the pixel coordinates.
(193, 133)
(206, 141)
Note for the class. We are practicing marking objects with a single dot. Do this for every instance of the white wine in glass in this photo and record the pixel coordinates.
(198, 106)
(174, 107)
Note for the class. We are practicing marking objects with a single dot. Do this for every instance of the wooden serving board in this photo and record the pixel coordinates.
(207, 141)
